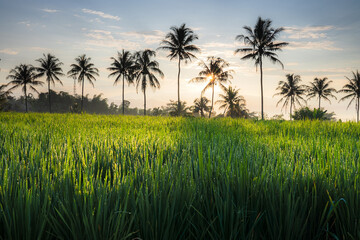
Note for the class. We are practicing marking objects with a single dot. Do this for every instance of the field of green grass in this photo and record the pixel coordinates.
(121, 177)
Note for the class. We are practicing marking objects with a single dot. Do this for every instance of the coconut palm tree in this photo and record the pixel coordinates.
(145, 72)
(24, 76)
(261, 42)
(234, 105)
(320, 88)
(352, 89)
(173, 109)
(50, 66)
(123, 66)
(179, 43)
(4, 94)
(214, 73)
(291, 92)
(201, 106)
(82, 69)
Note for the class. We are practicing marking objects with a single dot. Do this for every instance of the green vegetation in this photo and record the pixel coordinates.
(72, 176)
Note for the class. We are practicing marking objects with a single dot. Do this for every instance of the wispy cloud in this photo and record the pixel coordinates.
(102, 38)
(149, 37)
(26, 23)
(101, 14)
(49, 10)
(9, 51)
(319, 45)
(308, 32)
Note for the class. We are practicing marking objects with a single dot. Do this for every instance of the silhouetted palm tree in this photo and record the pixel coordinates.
(213, 72)
(352, 89)
(320, 88)
(179, 43)
(292, 92)
(145, 71)
(4, 94)
(201, 106)
(174, 110)
(24, 76)
(262, 44)
(50, 66)
(123, 67)
(233, 104)
(82, 69)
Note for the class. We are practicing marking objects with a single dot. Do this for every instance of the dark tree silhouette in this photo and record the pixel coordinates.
(4, 94)
(261, 42)
(123, 66)
(352, 89)
(213, 72)
(291, 92)
(179, 43)
(82, 69)
(320, 88)
(145, 72)
(201, 106)
(234, 105)
(24, 76)
(173, 109)
(50, 66)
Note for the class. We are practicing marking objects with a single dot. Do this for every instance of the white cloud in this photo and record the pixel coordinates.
(218, 45)
(149, 37)
(50, 10)
(9, 51)
(309, 32)
(26, 23)
(100, 14)
(320, 45)
(102, 38)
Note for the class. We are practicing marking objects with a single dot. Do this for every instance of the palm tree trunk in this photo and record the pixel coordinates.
(291, 102)
(49, 96)
(82, 95)
(319, 102)
(212, 101)
(179, 86)
(262, 93)
(144, 103)
(123, 101)
(26, 107)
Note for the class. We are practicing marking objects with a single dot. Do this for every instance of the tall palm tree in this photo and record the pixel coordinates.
(201, 106)
(145, 72)
(4, 94)
(179, 43)
(50, 66)
(82, 69)
(291, 91)
(123, 66)
(261, 42)
(352, 89)
(24, 76)
(320, 88)
(234, 105)
(214, 73)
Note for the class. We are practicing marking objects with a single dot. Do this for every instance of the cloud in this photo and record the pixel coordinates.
(49, 10)
(149, 37)
(102, 38)
(9, 51)
(319, 45)
(309, 32)
(100, 14)
(218, 45)
(26, 23)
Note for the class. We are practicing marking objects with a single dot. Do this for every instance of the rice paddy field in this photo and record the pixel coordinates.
(65, 176)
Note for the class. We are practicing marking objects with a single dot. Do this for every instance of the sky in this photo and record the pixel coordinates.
(323, 38)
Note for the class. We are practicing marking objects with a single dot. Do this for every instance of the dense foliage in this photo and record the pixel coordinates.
(125, 177)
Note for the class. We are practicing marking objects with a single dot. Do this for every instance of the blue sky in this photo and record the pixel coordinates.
(324, 41)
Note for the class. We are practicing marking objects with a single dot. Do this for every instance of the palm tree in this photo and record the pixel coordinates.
(292, 92)
(145, 72)
(320, 88)
(213, 72)
(24, 76)
(123, 67)
(50, 66)
(201, 106)
(4, 94)
(261, 44)
(179, 43)
(82, 69)
(174, 110)
(233, 104)
(352, 89)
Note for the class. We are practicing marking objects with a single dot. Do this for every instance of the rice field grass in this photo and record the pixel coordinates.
(65, 176)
